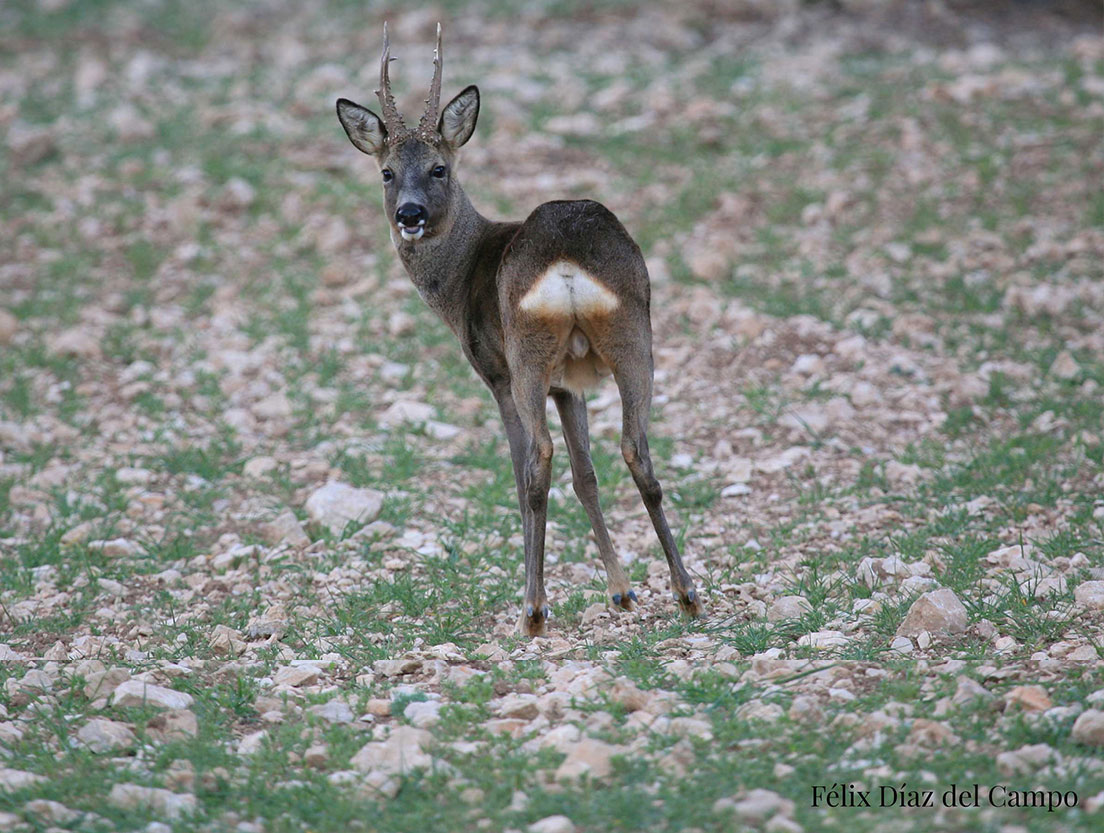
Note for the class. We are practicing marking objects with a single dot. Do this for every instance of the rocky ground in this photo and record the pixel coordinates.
(260, 563)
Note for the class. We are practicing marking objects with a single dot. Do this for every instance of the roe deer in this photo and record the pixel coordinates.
(542, 307)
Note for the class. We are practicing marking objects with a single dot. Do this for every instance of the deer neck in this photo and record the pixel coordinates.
(442, 266)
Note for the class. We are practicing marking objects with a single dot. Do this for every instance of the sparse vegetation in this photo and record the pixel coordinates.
(876, 245)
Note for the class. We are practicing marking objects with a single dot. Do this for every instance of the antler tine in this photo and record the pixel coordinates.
(428, 124)
(392, 118)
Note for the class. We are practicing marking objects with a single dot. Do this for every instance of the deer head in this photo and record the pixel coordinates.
(419, 188)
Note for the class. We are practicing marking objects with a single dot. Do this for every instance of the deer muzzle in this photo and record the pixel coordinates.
(411, 220)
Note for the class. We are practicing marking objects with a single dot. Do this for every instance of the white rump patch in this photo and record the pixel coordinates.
(566, 291)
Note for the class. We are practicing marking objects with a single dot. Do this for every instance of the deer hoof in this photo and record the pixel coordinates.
(625, 601)
(534, 622)
(690, 603)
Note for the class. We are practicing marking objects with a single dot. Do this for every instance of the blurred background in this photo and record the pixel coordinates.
(157, 146)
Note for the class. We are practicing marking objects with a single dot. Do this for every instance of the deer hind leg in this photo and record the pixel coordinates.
(529, 389)
(573, 415)
(634, 381)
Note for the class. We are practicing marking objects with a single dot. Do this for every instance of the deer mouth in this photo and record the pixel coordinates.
(412, 233)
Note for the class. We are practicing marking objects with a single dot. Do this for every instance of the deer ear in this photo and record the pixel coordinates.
(364, 128)
(458, 119)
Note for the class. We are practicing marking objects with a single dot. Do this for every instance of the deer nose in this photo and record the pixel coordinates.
(410, 214)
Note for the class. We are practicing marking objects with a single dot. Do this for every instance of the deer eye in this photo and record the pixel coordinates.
(387, 175)
(439, 172)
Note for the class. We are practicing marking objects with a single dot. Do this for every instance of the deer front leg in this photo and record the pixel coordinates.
(515, 436)
(573, 415)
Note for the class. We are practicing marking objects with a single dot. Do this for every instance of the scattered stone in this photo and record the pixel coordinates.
(1088, 729)
(173, 724)
(238, 194)
(180, 774)
(132, 476)
(9, 325)
(102, 735)
(552, 824)
(588, 757)
(379, 707)
(757, 709)
(902, 474)
(491, 651)
(407, 411)
(901, 645)
(76, 342)
(1031, 698)
(130, 125)
(808, 364)
(141, 693)
(396, 667)
(783, 460)
(1086, 653)
(333, 711)
(164, 802)
(78, 534)
(805, 709)
(285, 529)
(824, 640)
(691, 727)
(512, 726)
(706, 263)
(34, 680)
(625, 693)
(1025, 760)
(805, 419)
(931, 733)
(1090, 595)
(28, 145)
(336, 273)
(317, 756)
(226, 640)
(10, 733)
(273, 622)
(935, 611)
(788, 607)
(274, 406)
(865, 395)
(401, 324)
(594, 612)
(258, 467)
(337, 504)
(251, 744)
(423, 714)
(1065, 366)
(968, 691)
(519, 706)
(49, 811)
(116, 547)
(17, 779)
(333, 238)
(403, 751)
(296, 675)
(756, 807)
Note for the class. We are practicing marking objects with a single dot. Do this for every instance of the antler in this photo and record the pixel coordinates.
(392, 118)
(427, 126)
